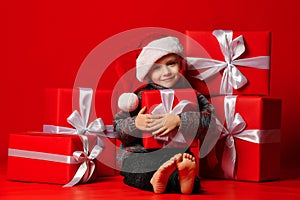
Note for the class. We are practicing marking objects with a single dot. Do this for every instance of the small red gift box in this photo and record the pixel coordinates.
(226, 62)
(60, 103)
(153, 98)
(46, 158)
(249, 146)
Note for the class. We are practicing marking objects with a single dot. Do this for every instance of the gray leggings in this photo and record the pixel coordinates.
(139, 167)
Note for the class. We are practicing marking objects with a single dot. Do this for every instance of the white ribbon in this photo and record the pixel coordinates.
(85, 170)
(167, 99)
(231, 50)
(235, 126)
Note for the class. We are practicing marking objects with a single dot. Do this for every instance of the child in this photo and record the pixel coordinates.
(172, 169)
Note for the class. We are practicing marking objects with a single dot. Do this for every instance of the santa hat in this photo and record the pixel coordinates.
(154, 51)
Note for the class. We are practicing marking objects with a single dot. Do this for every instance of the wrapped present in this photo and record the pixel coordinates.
(169, 101)
(52, 158)
(249, 144)
(68, 111)
(227, 62)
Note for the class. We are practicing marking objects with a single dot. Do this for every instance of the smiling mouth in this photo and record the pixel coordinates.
(168, 79)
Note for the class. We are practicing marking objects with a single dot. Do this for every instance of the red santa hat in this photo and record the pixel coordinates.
(154, 51)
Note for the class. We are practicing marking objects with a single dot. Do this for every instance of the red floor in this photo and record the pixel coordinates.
(288, 187)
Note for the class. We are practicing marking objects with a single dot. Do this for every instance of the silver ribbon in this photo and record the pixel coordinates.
(167, 99)
(235, 128)
(84, 158)
(231, 49)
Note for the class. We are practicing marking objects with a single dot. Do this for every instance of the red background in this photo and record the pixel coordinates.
(43, 43)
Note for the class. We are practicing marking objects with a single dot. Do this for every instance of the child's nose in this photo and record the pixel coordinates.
(166, 70)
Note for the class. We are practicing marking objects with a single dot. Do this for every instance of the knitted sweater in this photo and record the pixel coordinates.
(190, 121)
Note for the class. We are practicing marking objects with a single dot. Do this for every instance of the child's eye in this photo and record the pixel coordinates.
(156, 67)
(171, 63)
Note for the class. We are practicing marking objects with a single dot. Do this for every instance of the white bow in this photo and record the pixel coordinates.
(80, 120)
(231, 50)
(167, 98)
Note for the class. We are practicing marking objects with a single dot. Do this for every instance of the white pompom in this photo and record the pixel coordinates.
(128, 102)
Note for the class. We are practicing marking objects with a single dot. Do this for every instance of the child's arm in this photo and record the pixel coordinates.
(196, 123)
(167, 122)
(125, 127)
(144, 122)
(129, 128)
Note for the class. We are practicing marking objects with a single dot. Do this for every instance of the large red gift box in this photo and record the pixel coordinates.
(45, 158)
(61, 102)
(252, 129)
(152, 98)
(243, 54)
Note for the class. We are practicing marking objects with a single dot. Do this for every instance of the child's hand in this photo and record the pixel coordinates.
(147, 122)
(168, 123)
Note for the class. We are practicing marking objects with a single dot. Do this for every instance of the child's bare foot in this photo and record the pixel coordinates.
(187, 171)
(160, 178)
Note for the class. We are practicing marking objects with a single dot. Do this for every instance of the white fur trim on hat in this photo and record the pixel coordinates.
(154, 51)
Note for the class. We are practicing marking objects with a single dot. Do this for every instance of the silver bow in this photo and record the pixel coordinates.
(167, 99)
(80, 120)
(231, 49)
(87, 167)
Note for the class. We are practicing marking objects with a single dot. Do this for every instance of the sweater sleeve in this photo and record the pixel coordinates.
(124, 125)
(196, 123)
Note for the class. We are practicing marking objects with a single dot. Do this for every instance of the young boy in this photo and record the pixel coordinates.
(159, 66)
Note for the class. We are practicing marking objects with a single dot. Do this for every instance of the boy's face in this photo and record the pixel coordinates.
(166, 71)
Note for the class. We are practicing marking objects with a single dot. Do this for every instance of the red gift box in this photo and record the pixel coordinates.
(254, 46)
(45, 158)
(252, 129)
(60, 103)
(152, 98)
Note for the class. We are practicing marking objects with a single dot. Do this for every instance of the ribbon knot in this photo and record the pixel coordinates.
(231, 50)
(80, 156)
(80, 120)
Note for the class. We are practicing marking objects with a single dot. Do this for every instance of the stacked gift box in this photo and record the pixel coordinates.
(232, 69)
(60, 103)
(77, 143)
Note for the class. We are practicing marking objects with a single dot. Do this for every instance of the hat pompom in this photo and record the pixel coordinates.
(128, 102)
